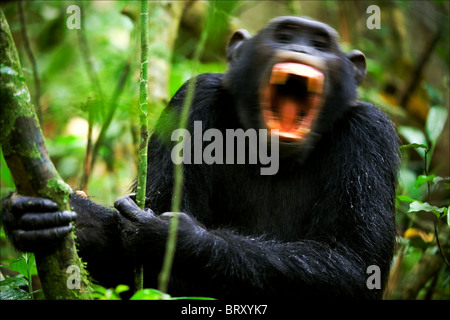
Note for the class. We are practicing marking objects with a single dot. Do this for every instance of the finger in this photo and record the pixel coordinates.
(50, 234)
(21, 204)
(125, 203)
(186, 222)
(31, 221)
(129, 209)
(132, 196)
(169, 215)
(181, 216)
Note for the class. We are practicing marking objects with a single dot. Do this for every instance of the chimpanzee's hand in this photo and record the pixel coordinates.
(34, 224)
(144, 230)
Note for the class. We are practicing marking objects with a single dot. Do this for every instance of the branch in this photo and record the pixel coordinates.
(143, 124)
(32, 170)
(37, 83)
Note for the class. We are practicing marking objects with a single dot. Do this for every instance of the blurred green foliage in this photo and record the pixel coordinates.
(68, 96)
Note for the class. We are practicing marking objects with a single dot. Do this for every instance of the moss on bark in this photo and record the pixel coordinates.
(32, 170)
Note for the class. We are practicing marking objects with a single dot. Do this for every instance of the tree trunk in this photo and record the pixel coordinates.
(33, 172)
(164, 19)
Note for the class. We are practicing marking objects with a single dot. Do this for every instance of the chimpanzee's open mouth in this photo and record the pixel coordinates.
(292, 99)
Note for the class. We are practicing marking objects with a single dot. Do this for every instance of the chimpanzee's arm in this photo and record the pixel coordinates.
(222, 263)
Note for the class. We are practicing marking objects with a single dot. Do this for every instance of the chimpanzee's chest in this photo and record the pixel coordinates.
(279, 205)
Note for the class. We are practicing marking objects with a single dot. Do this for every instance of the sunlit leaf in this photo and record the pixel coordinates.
(405, 198)
(415, 137)
(121, 288)
(14, 294)
(19, 265)
(437, 180)
(418, 206)
(193, 298)
(18, 281)
(448, 216)
(424, 179)
(436, 120)
(413, 146)
(150, 294)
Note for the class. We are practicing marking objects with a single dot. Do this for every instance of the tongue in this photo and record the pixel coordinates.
(287, 111)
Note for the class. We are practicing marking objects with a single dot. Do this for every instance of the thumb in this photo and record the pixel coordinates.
(129, 209)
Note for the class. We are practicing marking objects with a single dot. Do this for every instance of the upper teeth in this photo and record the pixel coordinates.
(281, 72)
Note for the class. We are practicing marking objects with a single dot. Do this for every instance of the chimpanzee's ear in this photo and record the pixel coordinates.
(238, 38)
(359, 63)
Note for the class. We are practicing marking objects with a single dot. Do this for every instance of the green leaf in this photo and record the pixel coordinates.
(98, 291)
(14, 294)
(20, 264)
(18, 281)
(405, 198)
(150, 294)
(193, 298)
(32, 264)
(407, 179)
(418, 206)
(424, 179)
(448, 216)
(437, 117)
(414, 137)
(413, 146)
(121, 288)
(101, 293)
(438, 179)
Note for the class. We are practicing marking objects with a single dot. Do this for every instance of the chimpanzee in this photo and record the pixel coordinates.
(312, 229)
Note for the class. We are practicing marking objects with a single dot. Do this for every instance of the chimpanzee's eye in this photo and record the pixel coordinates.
(283, 37)
(320, 43)
(285, 32)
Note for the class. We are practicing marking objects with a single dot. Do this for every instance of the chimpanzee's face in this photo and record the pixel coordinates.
(296, 73)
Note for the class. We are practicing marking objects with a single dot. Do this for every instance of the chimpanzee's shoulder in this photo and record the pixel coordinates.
(368, 113)
(207, 86)
(366, 122)
(210, 79)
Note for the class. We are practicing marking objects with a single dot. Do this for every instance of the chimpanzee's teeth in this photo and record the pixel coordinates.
(282, 71)
(279, 78)
(315, 85)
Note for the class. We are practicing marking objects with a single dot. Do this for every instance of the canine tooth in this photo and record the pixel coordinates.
(303, 131)
(315, 85)
(278, 77)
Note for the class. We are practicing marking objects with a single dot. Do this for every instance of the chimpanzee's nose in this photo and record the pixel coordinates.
(299, 48)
